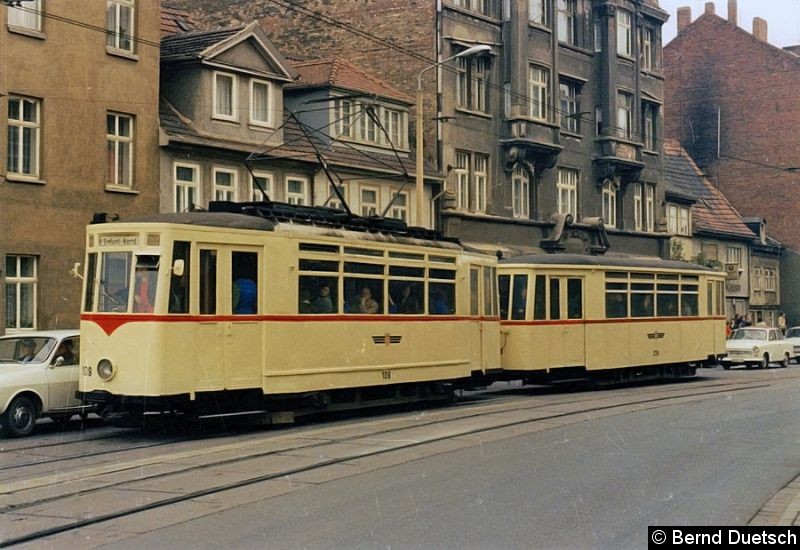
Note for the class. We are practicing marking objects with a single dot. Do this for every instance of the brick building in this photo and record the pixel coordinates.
(730, 98)
(79, 134)
(562, 116)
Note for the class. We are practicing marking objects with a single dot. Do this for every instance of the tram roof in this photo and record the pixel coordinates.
(602, 261)
(230, 220)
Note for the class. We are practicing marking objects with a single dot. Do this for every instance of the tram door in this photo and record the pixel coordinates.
(228, 340)
(566, 302)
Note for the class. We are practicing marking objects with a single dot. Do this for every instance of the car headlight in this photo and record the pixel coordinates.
(105, 370)
(755, 349)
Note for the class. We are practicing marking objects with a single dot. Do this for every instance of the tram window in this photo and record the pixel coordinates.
(504, 283)
(363, 251)
(555, 299)
(519, 310)
(642, 305)
(244, 275)
(574, 298)
(667, 305)
(406, 256)
(145, 281)
(473, 290)
(318, 295)
(689, 305)
(179, 285)
(710, 299)
(487, 291)
(91, 267)
(720, 298)
(315, 247)
(405, 297)
(448, 274)
(366, 269)
(442, 259)
(441, 298)
(402, 271)
(319, 265)
(208, 282)
(616, 300)
(363, 295)
(493, 292)
(114, 282)
(539, 304)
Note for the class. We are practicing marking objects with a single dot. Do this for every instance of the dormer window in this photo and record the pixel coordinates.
(260, 103)
(352, 122)
(225, 96)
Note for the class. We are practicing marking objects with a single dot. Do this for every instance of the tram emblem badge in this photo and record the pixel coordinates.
(656, 335)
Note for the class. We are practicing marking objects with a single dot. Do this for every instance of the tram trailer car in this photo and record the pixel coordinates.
(608, 319)
(212, 313)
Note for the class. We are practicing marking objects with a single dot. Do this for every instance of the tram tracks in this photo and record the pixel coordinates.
(311, 452)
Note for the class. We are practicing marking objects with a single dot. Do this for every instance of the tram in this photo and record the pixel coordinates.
(568, 317)
(265, 308)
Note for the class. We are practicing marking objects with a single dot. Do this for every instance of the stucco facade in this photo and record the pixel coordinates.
(65, 87)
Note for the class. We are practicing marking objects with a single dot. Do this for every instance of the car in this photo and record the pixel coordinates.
(793, 337)
(757, 346)
(38, 378)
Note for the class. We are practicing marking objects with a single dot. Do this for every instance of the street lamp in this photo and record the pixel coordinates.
(469, 52)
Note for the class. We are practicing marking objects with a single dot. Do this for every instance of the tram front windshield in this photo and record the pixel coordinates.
(126, 282)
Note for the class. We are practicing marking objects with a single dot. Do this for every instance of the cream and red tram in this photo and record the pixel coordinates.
(569, 317)
(217, 312)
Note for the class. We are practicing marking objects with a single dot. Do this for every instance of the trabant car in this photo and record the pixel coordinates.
(793, 337)
(38, 377)
(757, 346)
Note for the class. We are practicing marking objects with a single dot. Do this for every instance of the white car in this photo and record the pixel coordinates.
(793, 337)
(757, 346)
(38, 377)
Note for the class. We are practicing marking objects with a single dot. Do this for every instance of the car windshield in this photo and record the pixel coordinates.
(25, 349)
(749, 334)
(793, 333)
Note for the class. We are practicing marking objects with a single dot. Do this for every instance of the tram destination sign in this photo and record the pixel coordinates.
(118, 240)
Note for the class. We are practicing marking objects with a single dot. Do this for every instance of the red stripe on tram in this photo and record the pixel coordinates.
(610, 321)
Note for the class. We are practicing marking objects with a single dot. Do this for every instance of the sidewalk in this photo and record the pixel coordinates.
(782, 509)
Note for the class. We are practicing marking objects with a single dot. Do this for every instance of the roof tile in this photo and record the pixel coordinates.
(340, 73)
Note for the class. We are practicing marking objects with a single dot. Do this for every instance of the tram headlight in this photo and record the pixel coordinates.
(105, 370)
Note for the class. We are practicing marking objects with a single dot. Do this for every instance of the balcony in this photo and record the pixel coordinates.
(534, 141)
(619, 158)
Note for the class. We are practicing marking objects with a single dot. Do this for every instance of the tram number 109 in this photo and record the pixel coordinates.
(387, 374)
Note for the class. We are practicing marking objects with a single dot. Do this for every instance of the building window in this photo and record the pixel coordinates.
(119, 149)
(757, 279)
(649, 125)
(481, 6)
(353, 121)
(610, 203)
(333, 199)
(649, 207)
(539, 12)
(481, 175)
(569, 93)
(538, 92)
(597, 28)
(624, 36)
(21, 290)
(677, 220)
(625, 114)
(187, 186)
(27, 15)
(770, 280)
(638, 211)
(598, 120)
(472, 83)
(344, 118)
(734, 255)
(462, 180)
(297, 191)
(265, 180)
(260, 103)
(520, 193)
(119, 24)
(225, 96)
(225, 184)
(369, 201)
(399, 209)
(396, 124)
(648, 53)
(23, 136)
(567, 187)
(567, 31)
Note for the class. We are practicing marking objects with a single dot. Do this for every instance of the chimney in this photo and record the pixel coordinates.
(760, 28)
(684, 17)
(733, 12)
(710, 8)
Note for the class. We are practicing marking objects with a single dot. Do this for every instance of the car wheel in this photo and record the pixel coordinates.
(764, 362)
(726, 366)
(20, 417)
(785, 362)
